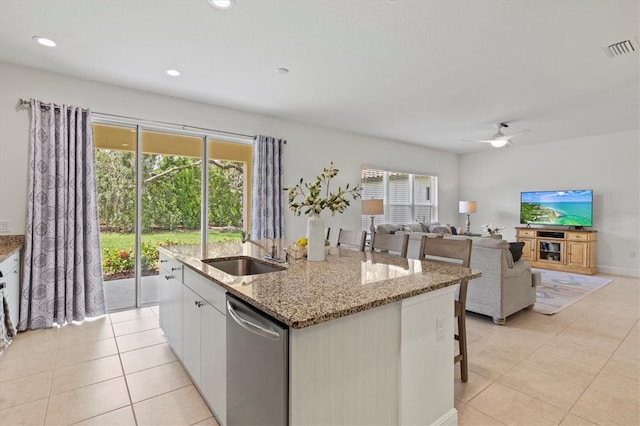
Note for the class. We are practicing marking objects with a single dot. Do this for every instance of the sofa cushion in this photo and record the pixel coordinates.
(412, 227)
(427, 226)
(490, 243)
(388, 228)
(516, 250)
(418, 235)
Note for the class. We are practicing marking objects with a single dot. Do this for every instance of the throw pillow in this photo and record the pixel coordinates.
(516, 250)
(440, 230)
(432, 225)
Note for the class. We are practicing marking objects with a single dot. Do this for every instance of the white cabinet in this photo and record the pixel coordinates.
(170, 303)
(10, 282)
(191, 348)
(204, 339)
(213, 372)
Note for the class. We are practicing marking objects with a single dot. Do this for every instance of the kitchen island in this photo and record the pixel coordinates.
(370, 335)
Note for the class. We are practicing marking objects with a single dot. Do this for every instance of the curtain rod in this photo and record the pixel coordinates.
(27, 103)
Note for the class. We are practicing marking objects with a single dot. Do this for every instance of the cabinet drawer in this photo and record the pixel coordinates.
(205, 288)
(526, 233)
(169, 264)
(578, 236)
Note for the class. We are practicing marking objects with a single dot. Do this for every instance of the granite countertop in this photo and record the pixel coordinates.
(308, 293)
(9, 244)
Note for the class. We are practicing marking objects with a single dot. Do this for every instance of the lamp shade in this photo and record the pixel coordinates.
(468, 207)
(372, 207)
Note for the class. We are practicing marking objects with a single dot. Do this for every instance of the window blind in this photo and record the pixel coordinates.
(407, 197)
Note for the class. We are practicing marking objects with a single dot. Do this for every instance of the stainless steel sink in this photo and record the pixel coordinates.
(243, 265)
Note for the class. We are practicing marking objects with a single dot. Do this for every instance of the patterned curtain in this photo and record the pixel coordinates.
(62, 266)
(267, 211)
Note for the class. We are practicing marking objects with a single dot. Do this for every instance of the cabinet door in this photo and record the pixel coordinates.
(191, 348)
(11, 267)
(578, 254)
(529, 249)
(164, 302)
(175, 308)
(213, 371)
(550, 251)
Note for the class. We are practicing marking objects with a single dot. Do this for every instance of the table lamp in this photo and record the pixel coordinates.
(468, 207)
(372, 208)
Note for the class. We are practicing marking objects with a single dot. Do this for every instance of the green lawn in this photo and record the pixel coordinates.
(119, 241)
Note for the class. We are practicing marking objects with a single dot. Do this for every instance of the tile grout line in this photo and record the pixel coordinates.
(597, 375)
(496, 381)
(124, 375)
(46, 411)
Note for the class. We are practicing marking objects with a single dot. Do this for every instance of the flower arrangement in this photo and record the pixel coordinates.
(492, 229)
(312, 203)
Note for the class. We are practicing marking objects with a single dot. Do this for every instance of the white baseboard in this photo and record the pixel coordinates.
(448, 419)
(619, 271)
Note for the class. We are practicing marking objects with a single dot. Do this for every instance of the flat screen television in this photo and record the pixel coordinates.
(562, 208)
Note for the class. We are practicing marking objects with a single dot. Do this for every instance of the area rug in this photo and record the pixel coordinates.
(561, 289)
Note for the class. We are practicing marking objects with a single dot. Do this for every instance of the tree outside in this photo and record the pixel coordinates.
(171, 201)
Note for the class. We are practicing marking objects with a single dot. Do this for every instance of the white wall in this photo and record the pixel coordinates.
(608, 164)
(309, 148)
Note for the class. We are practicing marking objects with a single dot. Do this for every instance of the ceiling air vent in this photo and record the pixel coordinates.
(621, 48)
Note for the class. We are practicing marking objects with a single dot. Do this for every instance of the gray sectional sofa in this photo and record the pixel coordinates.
(505, 287)
(415, 232)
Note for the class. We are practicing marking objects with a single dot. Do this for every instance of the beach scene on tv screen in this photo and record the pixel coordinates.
(571, 208)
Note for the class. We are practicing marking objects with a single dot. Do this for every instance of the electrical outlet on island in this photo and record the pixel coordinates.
(4, 226)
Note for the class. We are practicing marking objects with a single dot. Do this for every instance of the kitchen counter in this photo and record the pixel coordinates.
(309, 293)
(9, 244)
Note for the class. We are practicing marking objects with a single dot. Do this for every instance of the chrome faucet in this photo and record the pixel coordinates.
(275, 255)
(273, 252)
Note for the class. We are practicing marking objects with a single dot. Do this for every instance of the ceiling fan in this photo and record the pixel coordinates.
(500, 139)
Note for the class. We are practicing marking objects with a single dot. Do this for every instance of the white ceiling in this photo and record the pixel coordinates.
(427, 72)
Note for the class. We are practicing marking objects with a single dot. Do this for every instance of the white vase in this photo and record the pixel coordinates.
(315, 238)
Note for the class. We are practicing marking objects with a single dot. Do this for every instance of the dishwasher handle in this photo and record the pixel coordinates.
(251, 327)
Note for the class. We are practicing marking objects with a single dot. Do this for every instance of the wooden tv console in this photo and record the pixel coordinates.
(565, 250)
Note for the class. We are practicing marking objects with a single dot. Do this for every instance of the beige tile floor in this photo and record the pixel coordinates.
(578, 367)
(114, 370)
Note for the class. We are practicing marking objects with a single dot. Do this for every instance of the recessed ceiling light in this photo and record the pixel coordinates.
(44, 41)
(173, 73)
(221, 4)
(282, 71)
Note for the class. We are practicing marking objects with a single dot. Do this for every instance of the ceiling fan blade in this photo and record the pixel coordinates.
(517, 134)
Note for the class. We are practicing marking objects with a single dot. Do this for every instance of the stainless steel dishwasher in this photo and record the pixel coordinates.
(257, 366)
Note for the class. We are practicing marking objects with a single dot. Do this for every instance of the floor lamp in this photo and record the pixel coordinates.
(372, 208)
(468, 207)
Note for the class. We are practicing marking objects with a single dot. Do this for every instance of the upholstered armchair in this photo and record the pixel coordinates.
(505, 286)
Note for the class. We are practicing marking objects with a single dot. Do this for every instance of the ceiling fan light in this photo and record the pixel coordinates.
(44, 41)
(499, 143)
(221, 4)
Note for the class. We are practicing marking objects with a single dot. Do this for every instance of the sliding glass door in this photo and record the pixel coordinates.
(153, 190)
(170, 200)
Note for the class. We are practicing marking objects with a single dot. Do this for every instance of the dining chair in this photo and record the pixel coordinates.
(353, 239)
(390, 242)
(459, 252)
